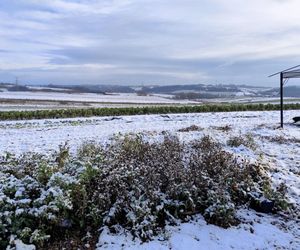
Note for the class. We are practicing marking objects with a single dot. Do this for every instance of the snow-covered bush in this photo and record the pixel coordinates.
(132, 183)
(246, 140)
(221, 210)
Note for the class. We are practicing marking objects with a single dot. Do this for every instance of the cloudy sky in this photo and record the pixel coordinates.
(148, 41)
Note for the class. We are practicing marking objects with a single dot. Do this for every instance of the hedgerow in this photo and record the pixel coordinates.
(87, 112)
(132, 183)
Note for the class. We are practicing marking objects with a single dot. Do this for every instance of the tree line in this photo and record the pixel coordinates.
(88, 112)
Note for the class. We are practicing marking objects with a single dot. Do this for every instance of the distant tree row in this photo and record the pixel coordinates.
(87, 112)
(194, 96)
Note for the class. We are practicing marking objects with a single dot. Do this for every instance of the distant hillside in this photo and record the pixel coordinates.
(171, 89)
(189, 91)
(100, 89)
(5, 85)
(18, 88)
(289, 91)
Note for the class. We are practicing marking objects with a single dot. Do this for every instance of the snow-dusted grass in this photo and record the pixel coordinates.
(44, 135)
(257, 231)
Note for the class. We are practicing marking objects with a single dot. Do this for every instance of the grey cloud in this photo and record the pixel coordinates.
(144, 41)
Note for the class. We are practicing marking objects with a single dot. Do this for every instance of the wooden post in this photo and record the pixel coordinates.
(281, 100)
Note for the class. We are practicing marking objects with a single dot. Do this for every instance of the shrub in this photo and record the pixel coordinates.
(225, 128)
(281, 139)
(132, 183)
(190, 128)
(246, 140)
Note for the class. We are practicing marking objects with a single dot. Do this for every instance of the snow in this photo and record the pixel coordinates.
(25, 100)
(242, 97)
(89, 97)
(45, 135)
(256, 231)
(21, 246)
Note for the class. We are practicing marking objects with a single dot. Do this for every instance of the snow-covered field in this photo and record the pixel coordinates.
(19, 100)
(257, 231)
(253, 99)
(89, 97)
(16, 101)
(45, 135)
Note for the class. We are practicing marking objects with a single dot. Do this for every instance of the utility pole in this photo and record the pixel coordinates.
(281, 99)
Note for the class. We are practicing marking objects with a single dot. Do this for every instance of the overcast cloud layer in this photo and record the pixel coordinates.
(148, 41)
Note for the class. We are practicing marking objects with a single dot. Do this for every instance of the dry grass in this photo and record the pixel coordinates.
(246, 140)
(190, 128)
(280, 139)
(225, 128)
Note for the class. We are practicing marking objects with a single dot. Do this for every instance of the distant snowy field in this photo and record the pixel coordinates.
(257, 231)
(19, 100)
(90, 97)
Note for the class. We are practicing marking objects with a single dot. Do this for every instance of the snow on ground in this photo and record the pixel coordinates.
(253, 99)
(257, 231)
(39, 105)
(20, 100)
(45, 135)
(90, 97)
